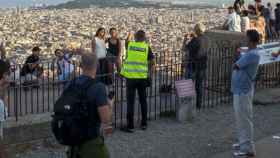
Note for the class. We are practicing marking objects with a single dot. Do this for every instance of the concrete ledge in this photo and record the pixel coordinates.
(27, 120)
(267, 96)
(225, 39)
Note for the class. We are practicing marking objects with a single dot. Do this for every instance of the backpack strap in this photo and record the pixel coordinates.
(86, 85)
(82, 88)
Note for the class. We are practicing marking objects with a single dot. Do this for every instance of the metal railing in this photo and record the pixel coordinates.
(33, 95)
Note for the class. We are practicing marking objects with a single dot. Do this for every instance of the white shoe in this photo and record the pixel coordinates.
(236, 146)
(247, 154)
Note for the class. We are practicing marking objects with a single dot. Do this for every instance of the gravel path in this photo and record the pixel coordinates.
(211, 133)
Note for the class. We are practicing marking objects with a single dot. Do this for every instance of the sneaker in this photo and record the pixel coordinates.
(247, 154)
(236, 146)
(127, 130)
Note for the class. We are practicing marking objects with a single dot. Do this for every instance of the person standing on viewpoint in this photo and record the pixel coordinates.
(277, 19)
(99, 48)
(233, 22)
(64, 66)
(242, 87)
(99, 110)
(245, 21)
(114, 50)
(4, 84)
(135, 70)
(197, 61)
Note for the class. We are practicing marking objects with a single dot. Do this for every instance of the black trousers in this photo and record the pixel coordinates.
(133, 85)
(103, 74)
(199, 77)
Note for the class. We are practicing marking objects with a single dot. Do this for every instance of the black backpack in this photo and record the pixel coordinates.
(71, 121)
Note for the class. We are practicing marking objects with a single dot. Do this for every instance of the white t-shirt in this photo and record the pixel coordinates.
(272, 13)
(100, 48)
(245, 24)
(234, 22)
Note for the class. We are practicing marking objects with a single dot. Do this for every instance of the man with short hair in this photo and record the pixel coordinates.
(4, 84)
(239, 6)
(233, 22)
(65, 68)
(100, 112)
(242, 87)
(31, 69)
(136, 71)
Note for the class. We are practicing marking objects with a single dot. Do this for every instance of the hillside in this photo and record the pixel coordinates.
(79, 4)
(101, 3)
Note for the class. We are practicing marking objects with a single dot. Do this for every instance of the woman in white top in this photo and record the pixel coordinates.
(99, 48)
(245, 21)
(4, 83)
(98, 44)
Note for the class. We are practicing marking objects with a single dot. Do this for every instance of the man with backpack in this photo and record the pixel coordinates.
(82, 115)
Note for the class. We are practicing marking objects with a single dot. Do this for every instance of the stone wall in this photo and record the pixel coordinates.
(225, 39)
(223, 45)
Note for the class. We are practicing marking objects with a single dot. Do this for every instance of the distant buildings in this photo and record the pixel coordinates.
(52, 29)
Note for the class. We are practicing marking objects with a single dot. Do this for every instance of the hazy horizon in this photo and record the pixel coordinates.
(25, 3)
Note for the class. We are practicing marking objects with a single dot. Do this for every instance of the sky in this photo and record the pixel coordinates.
(13, 3)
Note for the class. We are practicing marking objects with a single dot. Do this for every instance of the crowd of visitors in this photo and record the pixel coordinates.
(63, 67)
(83, 113)
(264, 19)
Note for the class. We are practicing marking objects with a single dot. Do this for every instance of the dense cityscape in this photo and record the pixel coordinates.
(139, 79)
(52, 29)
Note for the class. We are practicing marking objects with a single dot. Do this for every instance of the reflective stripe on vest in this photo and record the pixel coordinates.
(136, 64)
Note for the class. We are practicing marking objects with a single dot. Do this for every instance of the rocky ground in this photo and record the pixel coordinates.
(212, 132)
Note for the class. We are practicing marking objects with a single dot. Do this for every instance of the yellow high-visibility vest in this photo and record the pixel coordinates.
(135, 65)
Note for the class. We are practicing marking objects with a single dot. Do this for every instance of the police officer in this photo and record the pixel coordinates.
(136, 66)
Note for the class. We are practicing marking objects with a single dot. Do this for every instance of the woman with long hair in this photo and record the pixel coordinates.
(99, 48)
(114, 50)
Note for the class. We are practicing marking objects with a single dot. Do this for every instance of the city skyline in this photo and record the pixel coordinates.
(26, 3)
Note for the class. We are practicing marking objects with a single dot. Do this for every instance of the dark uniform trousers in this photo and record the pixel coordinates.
(133, 85)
